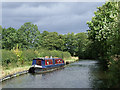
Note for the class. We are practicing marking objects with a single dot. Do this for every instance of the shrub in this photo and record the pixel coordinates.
(28, 56)
(8, 57)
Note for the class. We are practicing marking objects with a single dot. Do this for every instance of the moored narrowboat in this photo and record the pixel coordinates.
(42, 65)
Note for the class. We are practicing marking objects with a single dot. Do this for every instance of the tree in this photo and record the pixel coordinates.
(8, 38)
(70, 43)
(81, 39)
(103, 28)
(38, 41)
(51, 40)
(0, 45)
(61, 42)
(28, 35)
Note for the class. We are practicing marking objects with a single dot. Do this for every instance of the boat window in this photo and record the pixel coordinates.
(51, 61)
(38, 62)
(48, 62)
(56, 61)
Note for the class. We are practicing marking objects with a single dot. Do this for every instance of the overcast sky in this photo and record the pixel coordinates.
(61, 17)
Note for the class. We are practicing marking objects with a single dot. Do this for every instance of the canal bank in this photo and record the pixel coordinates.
(72, 60)
(13, 72)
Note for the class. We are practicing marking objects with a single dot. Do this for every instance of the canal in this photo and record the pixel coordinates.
(81, 74)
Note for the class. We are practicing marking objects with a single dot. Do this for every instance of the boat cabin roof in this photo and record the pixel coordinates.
(45, 58)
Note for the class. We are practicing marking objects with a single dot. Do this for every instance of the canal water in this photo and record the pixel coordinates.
(81, 74)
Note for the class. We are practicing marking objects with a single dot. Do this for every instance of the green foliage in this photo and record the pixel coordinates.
(70, 43)
(28, 55)
(8, 38)
(28, 35)
(8, 58)
(52, 41)
(82, 41)
(104, 31)
(66, 55)
(53, 53)
(15, 58)
(0, 36)
(18, 54)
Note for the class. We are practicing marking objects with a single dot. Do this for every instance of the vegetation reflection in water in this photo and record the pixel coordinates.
(102, 78)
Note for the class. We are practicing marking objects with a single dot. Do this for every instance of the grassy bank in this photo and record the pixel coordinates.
(10, 71)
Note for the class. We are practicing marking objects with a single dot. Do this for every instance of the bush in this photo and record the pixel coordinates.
(53, 53)
(66, 55)
(8, 58)
(29, 55)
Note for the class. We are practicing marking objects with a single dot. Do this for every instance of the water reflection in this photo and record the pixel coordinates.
(100, 78)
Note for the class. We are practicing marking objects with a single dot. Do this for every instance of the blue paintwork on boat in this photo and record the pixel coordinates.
(46, 63)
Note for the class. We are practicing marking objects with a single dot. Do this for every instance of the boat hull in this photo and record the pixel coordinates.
(44, 70)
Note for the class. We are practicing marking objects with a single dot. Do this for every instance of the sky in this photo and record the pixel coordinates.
(61, 17)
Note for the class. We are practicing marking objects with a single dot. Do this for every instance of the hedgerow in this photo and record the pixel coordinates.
(16, 58)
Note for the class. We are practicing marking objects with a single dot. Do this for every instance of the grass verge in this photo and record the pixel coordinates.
(10, 71)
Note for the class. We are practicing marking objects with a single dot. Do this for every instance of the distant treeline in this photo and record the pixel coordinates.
(29, 37)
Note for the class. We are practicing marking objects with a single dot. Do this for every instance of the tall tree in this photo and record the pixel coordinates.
(28, 35)
(50, 40)
(0, 36)
(8, 38)
(104, 31)
(70, 43)
(81, 39)
(61, 42)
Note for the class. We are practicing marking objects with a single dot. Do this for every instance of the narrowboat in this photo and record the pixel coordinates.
(42, 65)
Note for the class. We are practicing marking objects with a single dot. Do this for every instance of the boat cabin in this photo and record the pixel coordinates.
(47, 62)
